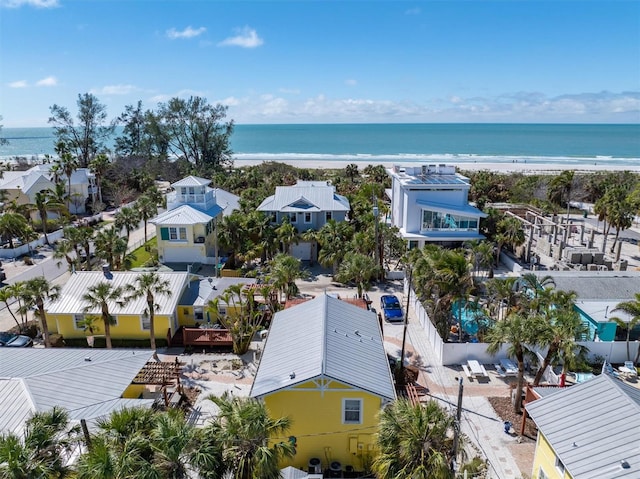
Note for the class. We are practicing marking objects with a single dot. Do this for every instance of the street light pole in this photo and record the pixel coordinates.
(375, 221)
(456, 430)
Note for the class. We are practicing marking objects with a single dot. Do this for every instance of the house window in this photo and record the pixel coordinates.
(198, 313)
(177, 234)
(293, 218)
(413, 244)
(328, 215)
(542, 474)
(307, 218)
(145, 322)
(77, 321)
(274, 217)
(434, 221)
(352, 411)
(559, 466)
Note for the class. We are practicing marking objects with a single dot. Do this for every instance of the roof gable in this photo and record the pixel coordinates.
(185, 215)
(191, 181)
(324, 337)
(318, 194)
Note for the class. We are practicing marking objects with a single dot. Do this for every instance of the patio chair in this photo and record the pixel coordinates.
(608, 369)
(629, 369)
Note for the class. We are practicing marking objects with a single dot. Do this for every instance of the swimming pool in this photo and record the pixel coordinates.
(471, 317)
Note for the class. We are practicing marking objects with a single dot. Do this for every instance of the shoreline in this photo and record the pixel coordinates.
(525, 168)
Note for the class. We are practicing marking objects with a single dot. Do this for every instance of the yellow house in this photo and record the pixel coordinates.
(187, 229)
(65, 316)
(590, 430)
(324, 365)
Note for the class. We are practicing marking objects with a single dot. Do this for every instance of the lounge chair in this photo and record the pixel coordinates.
(510, 368)
(629, 370)
(608, 369)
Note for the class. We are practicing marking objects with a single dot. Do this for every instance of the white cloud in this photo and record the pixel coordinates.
(114, 90)
(188, 32)
(351, 82)
(48, 81)
(31, 3)
(164, 97)
(246, 38)
(516, 107)
(18, 84)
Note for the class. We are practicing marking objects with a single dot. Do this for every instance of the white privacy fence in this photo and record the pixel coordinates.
(8, 253)
(458, 353)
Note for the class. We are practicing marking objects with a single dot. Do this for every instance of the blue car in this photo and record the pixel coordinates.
(15, 340)
(391, 308)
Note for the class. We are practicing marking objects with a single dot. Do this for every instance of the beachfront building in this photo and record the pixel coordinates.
(588, 430)
(429, 204)
(187, 230)
(66, 315)
(88, 383)
(307, 205)
(324, 365)
(22, 187)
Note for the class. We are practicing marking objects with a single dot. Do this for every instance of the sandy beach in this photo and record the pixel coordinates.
(526, 168)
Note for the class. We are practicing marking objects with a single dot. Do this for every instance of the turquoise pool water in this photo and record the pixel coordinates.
(471, 317)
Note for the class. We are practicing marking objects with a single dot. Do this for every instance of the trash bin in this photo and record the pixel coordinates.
(335, 469)
(507, 427)
(585, 213)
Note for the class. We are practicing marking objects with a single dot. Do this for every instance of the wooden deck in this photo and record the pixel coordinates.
(220, 338)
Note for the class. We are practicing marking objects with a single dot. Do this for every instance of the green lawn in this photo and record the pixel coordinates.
(142, 255)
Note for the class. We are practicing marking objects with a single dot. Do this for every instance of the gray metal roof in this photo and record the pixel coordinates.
(191, 181)
(447, 208)
(227, 201)
(71, 302)
(185, 215)
(605, 285)
(305, 196)
(201, 291)
(592, 427)
(324, 337)
(88, 383)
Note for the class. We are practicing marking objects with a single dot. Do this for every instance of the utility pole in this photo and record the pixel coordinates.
(406, 320)
(456, 429)
(376, 213)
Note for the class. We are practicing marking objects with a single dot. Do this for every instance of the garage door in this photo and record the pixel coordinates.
(193, 254)
(301, 251)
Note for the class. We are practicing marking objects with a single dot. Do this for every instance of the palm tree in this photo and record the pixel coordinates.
(351, 171)
(12, 225)
(149, 285)
(632, 308)
(110, 246)
(99, 165)
(560, 186)
(5, 295)
(509, 232)
(519, 332)
(360, 269)
(248, 436)
(284, 271)
(128, 219)
(230, 236)
(17, 291)
(415, 441)
(147, 209)
(36, 292)
(99, 296)
(562, 328)
(45, 202)
(332, 238)
(68, 164)
(287, 234)
(39, 453)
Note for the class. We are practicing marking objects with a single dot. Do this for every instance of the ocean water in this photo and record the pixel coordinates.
(567, 144)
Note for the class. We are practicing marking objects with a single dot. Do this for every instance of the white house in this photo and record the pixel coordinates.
(308, 205)
(429, 204)
(187, 230)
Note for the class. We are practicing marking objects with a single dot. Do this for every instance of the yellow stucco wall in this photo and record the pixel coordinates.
(127, 327)
(545, 458)
(193, 232)
(317, 424)
(134, 391)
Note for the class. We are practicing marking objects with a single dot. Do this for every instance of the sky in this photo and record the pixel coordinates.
(329, 61)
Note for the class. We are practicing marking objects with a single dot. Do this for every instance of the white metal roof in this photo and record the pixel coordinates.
(202, 290)
(88, 383)
(227, 201)
(191, 181)
(324, 337)
(592, 427)
(71, 302)
(305, 196)
(184, 215)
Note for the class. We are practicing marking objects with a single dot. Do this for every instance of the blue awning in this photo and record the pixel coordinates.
(454, 209)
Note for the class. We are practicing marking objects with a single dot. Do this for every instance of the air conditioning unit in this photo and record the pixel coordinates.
(315, 466)
(200, 239)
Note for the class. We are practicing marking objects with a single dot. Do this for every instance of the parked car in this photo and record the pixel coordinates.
(391, 308)
(10, 340)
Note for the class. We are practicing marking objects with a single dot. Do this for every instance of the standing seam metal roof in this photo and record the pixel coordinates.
(324, 337)
(320, 195)
(592, 427)
(71, 302)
